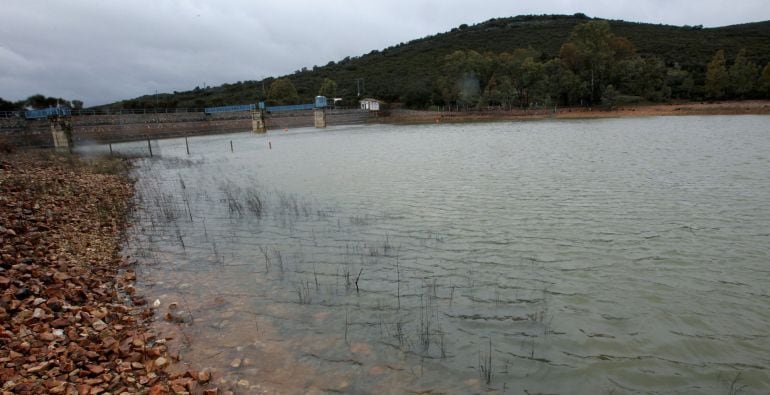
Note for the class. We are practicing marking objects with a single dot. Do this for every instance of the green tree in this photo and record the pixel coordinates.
(7, 105)
(628, 76)
(462, 78)
(416, 97)
(764, 80)
(609, 96)
(37, 101)
(451, 69)
(622, 48)
(680, 81)
(526, 74)
(531, 83)
(717, 78)
(643, 77)
(743, 75)
(40, 101)
(282, 92)
(500, 91)
(328, 88)
(591, 53)
(562, 85)
(491, 95)
(469, 90)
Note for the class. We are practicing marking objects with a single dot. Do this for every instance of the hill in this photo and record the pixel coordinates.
(410, 72)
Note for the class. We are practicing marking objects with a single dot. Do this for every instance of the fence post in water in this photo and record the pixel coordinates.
(110, 149)
(186, 144)
(270, 145)
(149, 146)
(231, 145)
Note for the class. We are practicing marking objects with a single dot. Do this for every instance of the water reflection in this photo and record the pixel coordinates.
(557, 257)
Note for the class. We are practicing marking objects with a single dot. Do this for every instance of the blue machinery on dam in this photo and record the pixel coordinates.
(258, 112)
(48, 113)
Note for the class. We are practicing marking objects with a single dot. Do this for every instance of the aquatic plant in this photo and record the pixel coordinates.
(254, 202)
(303, 293)
(485, 364)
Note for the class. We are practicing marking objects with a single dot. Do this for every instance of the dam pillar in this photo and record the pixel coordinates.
(319, 118)
(61, 131)
(258, 121)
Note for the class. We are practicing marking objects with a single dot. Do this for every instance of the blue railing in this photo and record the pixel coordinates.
(47, 112)
(294, 107)
(238, 108)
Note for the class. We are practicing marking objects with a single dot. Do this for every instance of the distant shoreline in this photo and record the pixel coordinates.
(748, 107)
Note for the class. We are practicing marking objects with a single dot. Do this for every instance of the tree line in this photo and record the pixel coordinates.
(595, 67)
(38, 101)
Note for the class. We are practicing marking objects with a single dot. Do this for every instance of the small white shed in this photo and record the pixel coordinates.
(370, 104)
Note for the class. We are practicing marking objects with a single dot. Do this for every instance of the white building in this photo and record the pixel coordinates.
(370, 104)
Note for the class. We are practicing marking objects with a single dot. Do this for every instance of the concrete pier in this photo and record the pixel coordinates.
(258, 121)
(319, 118)
(61, 131)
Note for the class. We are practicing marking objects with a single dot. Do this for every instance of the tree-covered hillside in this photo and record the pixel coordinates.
(672, 61)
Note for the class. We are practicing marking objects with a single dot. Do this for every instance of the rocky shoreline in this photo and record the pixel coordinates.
(71, 322)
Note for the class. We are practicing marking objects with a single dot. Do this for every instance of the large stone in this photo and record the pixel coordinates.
(22, 293)
(161, 362)
(99, 325)
(47, 336)
(236, 363)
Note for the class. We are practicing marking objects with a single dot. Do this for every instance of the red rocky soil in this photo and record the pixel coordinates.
(70, 322)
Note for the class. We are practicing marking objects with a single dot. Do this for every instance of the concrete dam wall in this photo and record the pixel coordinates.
(110, 128)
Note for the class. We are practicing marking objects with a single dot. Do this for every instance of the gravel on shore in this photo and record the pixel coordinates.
(70, 319)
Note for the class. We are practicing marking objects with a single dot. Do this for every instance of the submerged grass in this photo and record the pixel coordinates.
(485, 364)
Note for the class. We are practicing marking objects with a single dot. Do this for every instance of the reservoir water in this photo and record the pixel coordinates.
(590, 256)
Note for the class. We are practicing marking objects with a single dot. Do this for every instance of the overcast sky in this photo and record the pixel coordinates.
(101, 51)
